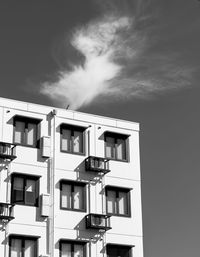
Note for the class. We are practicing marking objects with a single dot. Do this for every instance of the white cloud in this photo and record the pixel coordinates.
(117, 62)
(100, 43)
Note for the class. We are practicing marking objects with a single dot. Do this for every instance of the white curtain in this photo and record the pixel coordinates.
(122, 203)
(19, 132)
(78, 197)
(78, 142)
(31, 134)
(110, 147)
(111, 201)
(29, 250)
(16, 250)
(30, 191)
(66, 250)
(66, 196)
(121, 149)
(78, 250)
(66, 140)
(18, 183)
(18, 188)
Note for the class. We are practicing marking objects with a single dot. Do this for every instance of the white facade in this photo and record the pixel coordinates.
(51, 166)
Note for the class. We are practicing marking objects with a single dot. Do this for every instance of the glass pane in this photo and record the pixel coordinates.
(31, 134)
(19, 132)
(78, 250)
(118, 251)
(112, 251)
(123, 203)
(121, 149)
(66, 140)
(66, 250)
(124, 252)
(78, 142)
(18, 190)
(16, 249)
(30, 248)
(110, 147)
(78, 197)
(30, 191)
(66, 196)
(111, 202)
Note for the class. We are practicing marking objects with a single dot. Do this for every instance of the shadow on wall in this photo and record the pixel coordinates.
(89, 176)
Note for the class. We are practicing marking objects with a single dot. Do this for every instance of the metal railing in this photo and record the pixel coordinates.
(97, 164)
(98, 221)
(6, 211)
(7, 151)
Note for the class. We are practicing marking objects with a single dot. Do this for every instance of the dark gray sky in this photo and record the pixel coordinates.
(35, 45)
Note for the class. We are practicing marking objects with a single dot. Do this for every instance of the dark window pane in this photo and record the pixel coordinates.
(111, 202)
(66, 140)
(16, 248)
(19, 132)
(30, 192)
(110, 147)
(78, 142)
(29, 248)
(66, 196)
(121, 149)
(123, 203)
(31, 134)
(18, 190)
(118, 251)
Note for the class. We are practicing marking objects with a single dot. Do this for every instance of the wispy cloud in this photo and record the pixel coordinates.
(118, 62)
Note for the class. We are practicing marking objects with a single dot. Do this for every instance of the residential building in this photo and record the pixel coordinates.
(70, 183)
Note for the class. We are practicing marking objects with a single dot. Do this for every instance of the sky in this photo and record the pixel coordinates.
(132, 59)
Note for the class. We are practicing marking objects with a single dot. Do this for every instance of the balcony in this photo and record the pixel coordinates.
(98, 221)
(7, 151)
(6, 211)
(97, 164)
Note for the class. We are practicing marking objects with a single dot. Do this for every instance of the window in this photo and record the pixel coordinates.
(118, 251)
(73, 196)
(72, 139)
(25, 190)
(118, 201)
(72, 249)
(22, 246)
(116, 146)
(25, 131)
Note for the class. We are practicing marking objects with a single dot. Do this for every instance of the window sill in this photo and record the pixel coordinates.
(118, 160)
(30, 146)
(119, 215)
(23, 204)
(62, 151)
(74, 210)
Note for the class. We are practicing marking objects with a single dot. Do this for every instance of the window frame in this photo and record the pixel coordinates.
(23, 238)
(26, 121)
(119, 246)
(117, 136)
(73, 242)
(118, 190)
(72, 184)
(25, 178)
(72, 128)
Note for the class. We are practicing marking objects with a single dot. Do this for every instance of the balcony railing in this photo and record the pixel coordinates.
(6, 211)
(97, 164)
(98, 221)
(7, 151)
